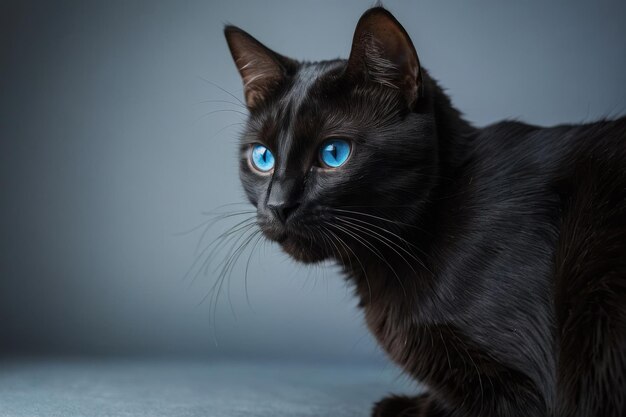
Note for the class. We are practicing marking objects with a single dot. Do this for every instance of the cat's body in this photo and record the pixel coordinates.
(525, 286)
(490, 263)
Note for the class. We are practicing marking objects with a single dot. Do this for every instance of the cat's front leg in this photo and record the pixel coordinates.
(404, 406)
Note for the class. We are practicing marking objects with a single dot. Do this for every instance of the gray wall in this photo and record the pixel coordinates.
(107, 151)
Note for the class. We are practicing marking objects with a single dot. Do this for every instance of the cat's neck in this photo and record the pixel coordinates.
(454, 134)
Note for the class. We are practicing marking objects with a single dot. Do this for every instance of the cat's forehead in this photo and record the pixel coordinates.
(305, 80)
(305, 95)
(301, 85)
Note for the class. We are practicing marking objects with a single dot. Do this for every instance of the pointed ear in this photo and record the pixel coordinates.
(261, 69)
(382, 52)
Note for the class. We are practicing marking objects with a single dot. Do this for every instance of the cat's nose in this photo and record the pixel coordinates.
(283, 198)
(282, 210)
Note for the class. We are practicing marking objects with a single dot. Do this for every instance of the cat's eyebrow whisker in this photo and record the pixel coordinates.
(226, 127)
(220, 111)
(222, 101)
(223, 89)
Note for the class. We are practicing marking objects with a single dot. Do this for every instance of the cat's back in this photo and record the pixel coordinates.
(590, 271)
(558, 151)
(590, 180)
(571, 179)
(576, 167)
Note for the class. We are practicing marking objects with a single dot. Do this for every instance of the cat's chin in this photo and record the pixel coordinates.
(302, 252)
(298, 248)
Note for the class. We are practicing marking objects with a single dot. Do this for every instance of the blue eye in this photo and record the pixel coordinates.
(334, 152)
(262, 158)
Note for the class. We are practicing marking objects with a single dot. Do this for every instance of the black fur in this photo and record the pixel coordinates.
(490, 263)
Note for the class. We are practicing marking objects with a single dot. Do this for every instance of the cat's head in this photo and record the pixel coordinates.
(334, 149)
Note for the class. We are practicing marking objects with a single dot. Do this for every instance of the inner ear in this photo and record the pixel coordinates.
(262, 70)
(382, 52)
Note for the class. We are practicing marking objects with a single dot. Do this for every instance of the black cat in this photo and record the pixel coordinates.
(490, 263)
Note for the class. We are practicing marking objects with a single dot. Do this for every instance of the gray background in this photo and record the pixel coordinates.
(107, 151)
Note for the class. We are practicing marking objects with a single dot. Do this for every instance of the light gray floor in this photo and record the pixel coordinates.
(127, 388)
